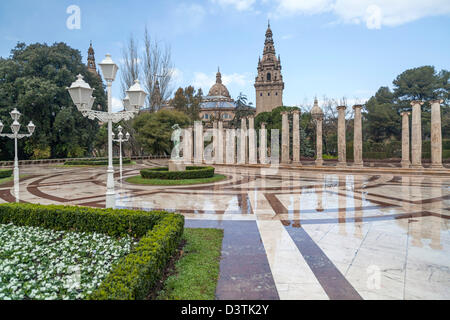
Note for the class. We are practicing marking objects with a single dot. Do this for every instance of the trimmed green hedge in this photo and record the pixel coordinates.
(95, 162)
(135, 274)
(190, 173)
(5, 173)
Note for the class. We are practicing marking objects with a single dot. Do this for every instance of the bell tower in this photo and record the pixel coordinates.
(269, 83)
(91, 60)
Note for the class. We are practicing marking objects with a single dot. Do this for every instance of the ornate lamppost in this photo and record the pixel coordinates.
(81, 94)
(15, 127)
(120, 140)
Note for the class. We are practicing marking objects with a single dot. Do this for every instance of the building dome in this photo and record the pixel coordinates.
(218, 89)
(316, 111)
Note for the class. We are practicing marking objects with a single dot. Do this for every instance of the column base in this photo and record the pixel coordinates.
(341, 164)
(406, 164)
(416, 166)
(437, 166)
(177, 165)
(358, 165)
(297, 163)
(319, 163)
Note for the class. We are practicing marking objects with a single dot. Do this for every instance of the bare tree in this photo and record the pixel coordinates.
(130, 69)
(156, 66)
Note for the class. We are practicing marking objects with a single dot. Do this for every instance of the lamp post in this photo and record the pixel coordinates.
(81, 94)
(120, 140)
(15, 127)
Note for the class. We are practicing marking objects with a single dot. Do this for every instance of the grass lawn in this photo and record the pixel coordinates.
(197, 271)
(161, 182)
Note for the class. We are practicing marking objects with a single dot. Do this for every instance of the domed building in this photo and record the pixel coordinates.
(218, 104)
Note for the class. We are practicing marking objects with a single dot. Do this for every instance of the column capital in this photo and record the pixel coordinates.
(434, 101)
(284, 113)
(296, 112)
(416, 102)
(250, 117)
(357, 106)
(263, 124)
(405, 113)
(341, 108)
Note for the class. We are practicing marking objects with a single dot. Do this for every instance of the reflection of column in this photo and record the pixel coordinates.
(296, 137)
(357, 200)
(219, 152)
(319, 195)
(416, 139)
(342, 152)
(187, 145)
(357, 138)
(215, 140)
(285, 137)
(242, 142)
(263, 144)
(406, 163)
(319, 148)
(436, 134)
(252, 152)
(415, 228)
(342, 204)
(198, 156)
(437, 192)
(231, 146)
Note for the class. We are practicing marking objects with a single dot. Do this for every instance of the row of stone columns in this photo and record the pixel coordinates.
(416, 136)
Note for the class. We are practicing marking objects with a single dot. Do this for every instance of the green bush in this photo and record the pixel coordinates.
(375, 155)
(190, 173)
(133, 277)
(95, 162)
(446, 154)
(5, 173)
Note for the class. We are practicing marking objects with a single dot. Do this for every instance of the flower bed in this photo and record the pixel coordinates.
(135, 274)
(95, 162)
(38, 263)
(5, 173)
(190, 173)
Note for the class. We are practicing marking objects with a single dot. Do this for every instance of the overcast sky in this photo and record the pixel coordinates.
(334, 48)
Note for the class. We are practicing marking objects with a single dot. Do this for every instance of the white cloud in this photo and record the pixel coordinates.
(188, 17)
(117, 104)
(240, 5)
(373, 13)
(177, 77)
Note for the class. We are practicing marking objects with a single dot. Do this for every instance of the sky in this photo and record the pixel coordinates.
(333, 48)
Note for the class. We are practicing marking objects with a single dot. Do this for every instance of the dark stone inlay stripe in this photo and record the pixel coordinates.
(330, 278)
(244, 269)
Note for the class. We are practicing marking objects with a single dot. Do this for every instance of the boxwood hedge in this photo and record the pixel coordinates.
(5, 173)
(132, 278)
(95, 162)
(190, 173)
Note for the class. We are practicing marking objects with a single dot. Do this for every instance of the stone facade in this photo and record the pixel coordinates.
(269, 83)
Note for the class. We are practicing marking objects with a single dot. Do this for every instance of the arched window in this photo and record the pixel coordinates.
(269, 77)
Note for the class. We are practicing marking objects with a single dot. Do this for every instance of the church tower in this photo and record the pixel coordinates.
(269, 83)
(91, 60)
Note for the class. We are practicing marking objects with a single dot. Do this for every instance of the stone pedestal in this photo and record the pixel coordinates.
(285, 157)
(357, 138)
(416, 139)
(263, 144)
(177, 165)
(252, 152)
(296, 137)
(436, 134)
(406, 162)
(342, 152)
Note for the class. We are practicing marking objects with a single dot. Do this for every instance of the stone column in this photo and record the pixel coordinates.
(187, 145)
(436, 134)
(231, 146)
(263, 144)
(198, 156)
(342, 152)
(416, 139)
(319, 147)
(242, 157)
(220, 140)
(357, 138)
(285, 157)
(296, 137)
(406, 162)
(215, 141)
(252, 152)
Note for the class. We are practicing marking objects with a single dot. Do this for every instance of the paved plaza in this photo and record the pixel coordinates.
(291, 234)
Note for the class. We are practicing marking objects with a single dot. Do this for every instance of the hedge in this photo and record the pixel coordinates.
(5, 173)
(135, 274)
(190, 173)
(95, 162)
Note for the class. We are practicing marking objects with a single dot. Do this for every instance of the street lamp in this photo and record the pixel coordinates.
(81, 94)
(120, 140)
(15, 127)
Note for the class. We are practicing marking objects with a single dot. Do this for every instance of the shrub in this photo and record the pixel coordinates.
(95, 162)
(190, 173)
(5, 173)
(135, 274)
(375, 155)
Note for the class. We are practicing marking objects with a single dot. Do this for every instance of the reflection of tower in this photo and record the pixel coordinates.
(269, 83)
(91, 60)
(319, 194)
